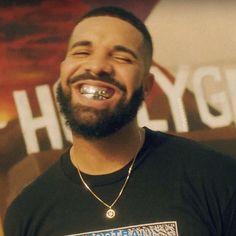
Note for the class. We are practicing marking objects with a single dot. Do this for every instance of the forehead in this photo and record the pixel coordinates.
(107, 29)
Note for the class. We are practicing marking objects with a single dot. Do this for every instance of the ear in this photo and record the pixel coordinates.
(147, 84)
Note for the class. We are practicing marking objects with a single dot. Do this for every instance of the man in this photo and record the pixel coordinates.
(117, 178)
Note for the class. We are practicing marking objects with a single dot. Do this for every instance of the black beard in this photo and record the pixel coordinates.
(107, 122)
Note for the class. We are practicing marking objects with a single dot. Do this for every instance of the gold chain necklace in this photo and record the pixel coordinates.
(110, 213)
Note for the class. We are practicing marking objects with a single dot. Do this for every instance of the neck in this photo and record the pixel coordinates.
(109, 154)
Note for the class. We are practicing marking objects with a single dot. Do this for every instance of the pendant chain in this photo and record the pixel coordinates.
(110, 212)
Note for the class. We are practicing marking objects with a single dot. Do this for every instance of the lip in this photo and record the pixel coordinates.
(97, 83)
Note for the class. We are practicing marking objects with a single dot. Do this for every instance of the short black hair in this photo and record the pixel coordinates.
(126, 16)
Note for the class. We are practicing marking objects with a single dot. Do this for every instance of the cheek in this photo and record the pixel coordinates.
(132, 80)
(67, 69)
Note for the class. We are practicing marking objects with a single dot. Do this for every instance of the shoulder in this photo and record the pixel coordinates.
(187, 148)
(187, 161)
(190, 155)
(43, 187)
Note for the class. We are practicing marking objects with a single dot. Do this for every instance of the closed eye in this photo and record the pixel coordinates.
(122, 59)
(81, 53)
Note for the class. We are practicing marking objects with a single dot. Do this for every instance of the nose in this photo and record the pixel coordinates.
(98, 64)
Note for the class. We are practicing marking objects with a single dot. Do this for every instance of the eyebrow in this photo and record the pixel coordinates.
(81, 43)
(119, 48)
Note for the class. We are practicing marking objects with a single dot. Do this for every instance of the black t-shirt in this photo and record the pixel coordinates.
(177, 187)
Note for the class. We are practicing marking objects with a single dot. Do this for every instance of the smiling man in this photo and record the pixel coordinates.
(104, 77)
(118, 178)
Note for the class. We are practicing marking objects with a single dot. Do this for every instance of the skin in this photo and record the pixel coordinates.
(108, 45)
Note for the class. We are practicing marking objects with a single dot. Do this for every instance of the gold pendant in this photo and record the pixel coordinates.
(110, 213)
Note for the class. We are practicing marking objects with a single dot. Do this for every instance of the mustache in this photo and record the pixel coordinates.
(103, 77)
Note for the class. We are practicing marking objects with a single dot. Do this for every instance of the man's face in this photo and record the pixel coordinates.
(102, 76)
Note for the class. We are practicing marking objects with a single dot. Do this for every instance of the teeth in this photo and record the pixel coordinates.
(94, 96)
(98, 93)
(88, 89)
